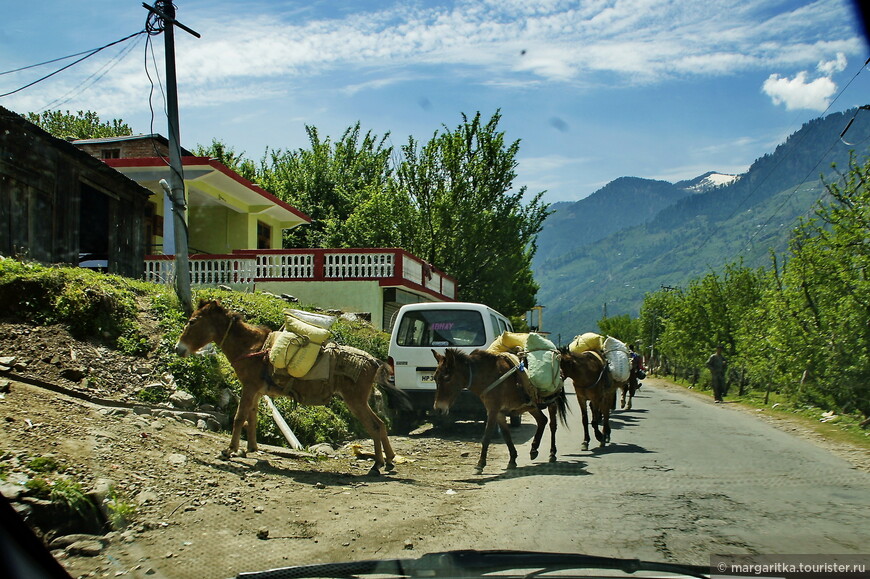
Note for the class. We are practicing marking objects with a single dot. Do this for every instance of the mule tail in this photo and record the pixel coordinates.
(398, 400)
(562, 407)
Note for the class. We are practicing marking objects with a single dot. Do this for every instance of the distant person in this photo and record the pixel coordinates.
(717, 364)
(636, 373)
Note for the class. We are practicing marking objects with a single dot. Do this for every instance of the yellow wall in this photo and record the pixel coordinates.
(216, 229)
(348, 296)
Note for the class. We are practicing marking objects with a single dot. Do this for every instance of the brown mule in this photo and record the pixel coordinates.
(593, 384)
(242, 344)
(479, 372)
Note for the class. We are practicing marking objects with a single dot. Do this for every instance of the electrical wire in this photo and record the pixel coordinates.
(29, 66)
(91, 80)
(75, 62)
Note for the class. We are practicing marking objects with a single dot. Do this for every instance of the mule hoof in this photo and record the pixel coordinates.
(622, 404)
(226, 453)
(512, 465)
(478, 470)
(584, 446)
(374, 471)
(628, 407)
(553, 458)
(533, 454)
(241, 453)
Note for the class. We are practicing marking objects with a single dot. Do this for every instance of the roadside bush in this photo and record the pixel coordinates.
(89, 303)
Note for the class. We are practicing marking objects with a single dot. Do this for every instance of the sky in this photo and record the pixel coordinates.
(592, 90)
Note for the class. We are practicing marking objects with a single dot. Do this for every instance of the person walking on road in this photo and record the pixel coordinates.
(717, 364)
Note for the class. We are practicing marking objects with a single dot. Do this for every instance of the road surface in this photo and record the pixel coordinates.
(683, 479)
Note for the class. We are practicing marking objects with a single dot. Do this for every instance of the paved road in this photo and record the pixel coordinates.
(682, 479)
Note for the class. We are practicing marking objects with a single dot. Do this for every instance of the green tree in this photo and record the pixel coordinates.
(623, 327)
(820, 301)
(228, 156)
(82, 125)
(473, 224)
(328, 182)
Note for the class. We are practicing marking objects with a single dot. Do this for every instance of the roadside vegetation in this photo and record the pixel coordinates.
(796, 334)
(105, 308)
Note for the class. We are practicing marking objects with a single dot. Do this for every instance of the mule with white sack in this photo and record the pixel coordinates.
(598, 366)
(518, 373)
(299, 361)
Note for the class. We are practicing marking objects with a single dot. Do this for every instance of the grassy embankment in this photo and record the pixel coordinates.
(108, 309)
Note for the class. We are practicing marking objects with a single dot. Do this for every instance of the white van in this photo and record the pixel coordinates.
(420, 328)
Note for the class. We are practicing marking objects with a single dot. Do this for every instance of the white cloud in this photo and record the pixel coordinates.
(504, 43)
(798, 92)
(831, 67)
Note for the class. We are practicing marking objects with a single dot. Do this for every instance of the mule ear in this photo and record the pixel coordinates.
(438, 356)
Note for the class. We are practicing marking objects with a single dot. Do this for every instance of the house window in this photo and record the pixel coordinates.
(264, 235)
(110, 153)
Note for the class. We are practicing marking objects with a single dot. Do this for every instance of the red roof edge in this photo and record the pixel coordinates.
(215, 164)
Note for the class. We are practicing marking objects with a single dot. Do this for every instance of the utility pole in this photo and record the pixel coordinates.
(165, 10)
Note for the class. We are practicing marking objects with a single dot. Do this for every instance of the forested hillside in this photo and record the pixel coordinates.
(622, 203)
(694, 235)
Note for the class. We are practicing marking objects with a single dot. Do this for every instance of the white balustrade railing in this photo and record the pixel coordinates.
(245, 267)
(358, 265)
(159, 270)
(285, 266)
(215, 271)
(448, 287)
(412, 270)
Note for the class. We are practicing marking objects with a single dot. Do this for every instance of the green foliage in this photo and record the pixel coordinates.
(363, 336)
(38, 487)
(801, 328)
(88, 302)
(70, 493)
(328, 181)
(119, 510)
(100, 305)
(311, 424)
(624, 328)
(82, 125)
(43, 464)
(471, 221)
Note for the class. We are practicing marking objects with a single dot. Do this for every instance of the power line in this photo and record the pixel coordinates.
(29, 66)
(75, 62)
(91, 80)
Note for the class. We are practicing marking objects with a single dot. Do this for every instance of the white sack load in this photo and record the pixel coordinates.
(616, 354)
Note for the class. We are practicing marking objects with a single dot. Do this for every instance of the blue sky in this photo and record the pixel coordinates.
(594, 90)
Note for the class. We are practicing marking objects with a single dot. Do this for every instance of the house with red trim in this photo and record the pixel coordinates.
(235, 232)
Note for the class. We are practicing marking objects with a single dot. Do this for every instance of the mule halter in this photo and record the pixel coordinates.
(227, 333)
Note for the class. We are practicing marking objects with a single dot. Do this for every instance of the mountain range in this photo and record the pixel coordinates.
(601, 255)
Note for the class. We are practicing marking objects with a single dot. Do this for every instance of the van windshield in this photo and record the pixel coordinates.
(427, 328)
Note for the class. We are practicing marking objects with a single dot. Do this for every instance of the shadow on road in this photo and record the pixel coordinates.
(562, 468)
(619, 448)
(472, 431)
(263, 463)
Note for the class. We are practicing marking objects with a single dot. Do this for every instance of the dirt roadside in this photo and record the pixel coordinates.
(198, 515)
